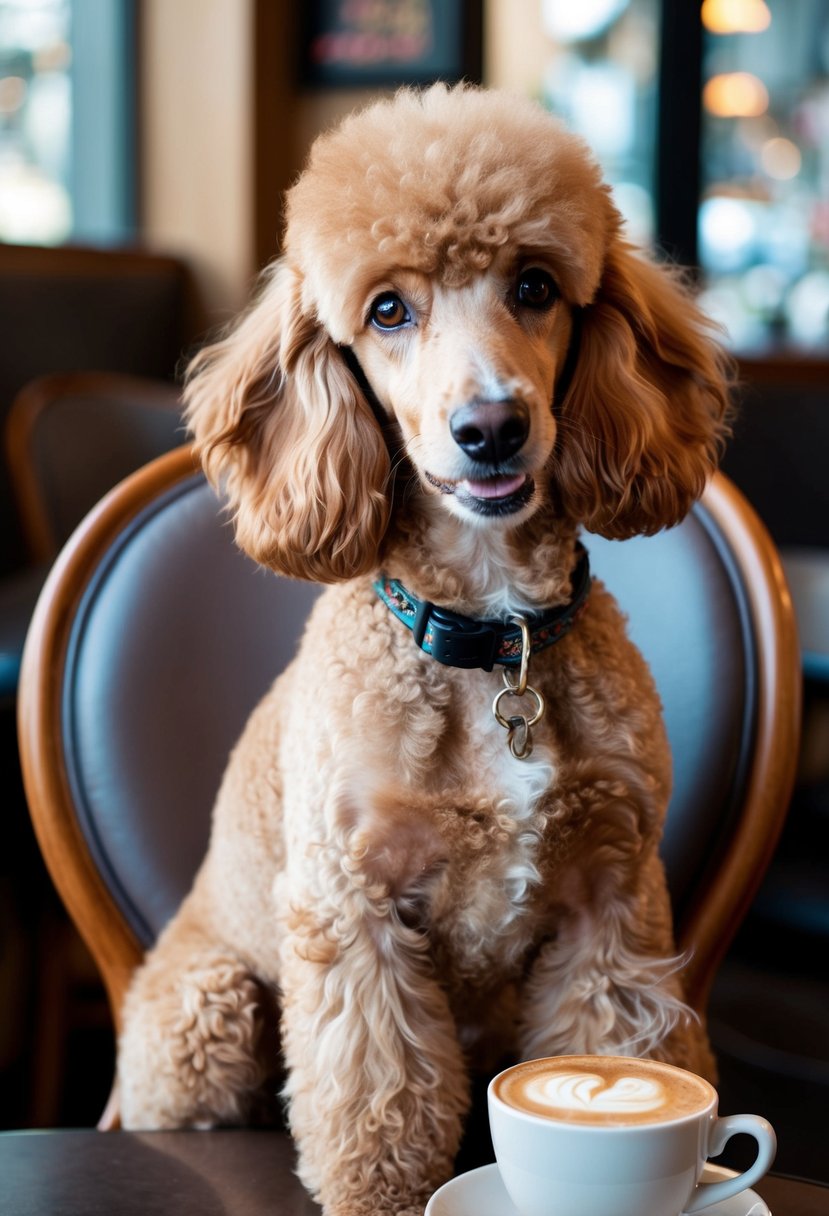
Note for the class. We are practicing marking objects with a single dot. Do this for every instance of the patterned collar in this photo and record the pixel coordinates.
(461, 641)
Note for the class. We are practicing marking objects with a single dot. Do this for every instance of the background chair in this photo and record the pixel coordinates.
(62, 309)
(154, 637)
(72, 308)
(70, 437)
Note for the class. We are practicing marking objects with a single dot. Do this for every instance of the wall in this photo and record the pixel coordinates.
(225, 129)
(516, 48)
(197, 172)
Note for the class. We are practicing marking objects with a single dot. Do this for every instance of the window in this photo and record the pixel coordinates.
(764, 211)
(595, 63)
(711, 122)
(66, 121)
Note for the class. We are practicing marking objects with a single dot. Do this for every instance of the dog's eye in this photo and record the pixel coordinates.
(536, 288)
(389, 312)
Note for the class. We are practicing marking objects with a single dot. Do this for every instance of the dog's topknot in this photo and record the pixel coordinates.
(449, 175)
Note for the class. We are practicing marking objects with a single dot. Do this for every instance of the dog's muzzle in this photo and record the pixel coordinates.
(491, 432)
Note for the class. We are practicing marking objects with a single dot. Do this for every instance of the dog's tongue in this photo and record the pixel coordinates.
(494, 487)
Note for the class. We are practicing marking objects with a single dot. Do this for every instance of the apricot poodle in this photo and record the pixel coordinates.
(435, 846)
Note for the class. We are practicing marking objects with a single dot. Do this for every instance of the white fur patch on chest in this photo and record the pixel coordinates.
(484, 557)
(489, 898)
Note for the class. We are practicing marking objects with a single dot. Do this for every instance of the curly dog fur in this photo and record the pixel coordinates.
(421, 902)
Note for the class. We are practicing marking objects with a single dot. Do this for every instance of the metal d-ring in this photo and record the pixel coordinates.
(518, 727)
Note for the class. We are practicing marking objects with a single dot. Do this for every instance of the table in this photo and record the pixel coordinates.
(225, 1173)
(89, 1173)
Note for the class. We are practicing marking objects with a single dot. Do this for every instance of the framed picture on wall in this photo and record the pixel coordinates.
(383, 43)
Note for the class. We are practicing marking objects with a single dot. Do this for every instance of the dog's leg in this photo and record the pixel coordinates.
(189, 1052)
(377, 1087)
(609, 981)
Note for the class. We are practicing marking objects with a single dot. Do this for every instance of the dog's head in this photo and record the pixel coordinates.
(456, 250)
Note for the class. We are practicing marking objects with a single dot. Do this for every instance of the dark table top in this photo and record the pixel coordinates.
(227, 1173)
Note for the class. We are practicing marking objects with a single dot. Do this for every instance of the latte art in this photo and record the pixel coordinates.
(593, 1135)
(603, 1090)
(578, 1091)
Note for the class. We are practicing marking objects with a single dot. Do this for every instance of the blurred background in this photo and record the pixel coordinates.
(177, 125)
(144, 149)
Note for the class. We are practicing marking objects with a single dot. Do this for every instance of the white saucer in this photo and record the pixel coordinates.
(481, 1193)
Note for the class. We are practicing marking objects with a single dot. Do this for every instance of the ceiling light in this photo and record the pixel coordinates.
(735, 95)
(735, 16)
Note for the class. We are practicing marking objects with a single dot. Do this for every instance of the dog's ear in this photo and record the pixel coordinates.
(646, 415)
(282, 427)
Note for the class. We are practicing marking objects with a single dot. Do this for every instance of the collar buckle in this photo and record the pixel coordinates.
(461, 641)
(453, 640)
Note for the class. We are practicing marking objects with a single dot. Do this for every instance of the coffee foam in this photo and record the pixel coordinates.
(603, 1090)
(581, 1091)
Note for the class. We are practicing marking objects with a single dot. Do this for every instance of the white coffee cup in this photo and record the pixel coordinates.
(613, 1136)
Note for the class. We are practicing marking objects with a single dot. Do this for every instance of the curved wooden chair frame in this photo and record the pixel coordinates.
(713, 915)
(723, 900)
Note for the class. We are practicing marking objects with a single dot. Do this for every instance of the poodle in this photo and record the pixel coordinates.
(435, 846)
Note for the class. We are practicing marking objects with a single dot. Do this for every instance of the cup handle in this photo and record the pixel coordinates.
(723, 1130)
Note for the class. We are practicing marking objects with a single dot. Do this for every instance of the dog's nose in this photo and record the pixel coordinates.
(490, 431)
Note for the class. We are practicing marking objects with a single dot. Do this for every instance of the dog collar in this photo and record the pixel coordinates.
(462, 641)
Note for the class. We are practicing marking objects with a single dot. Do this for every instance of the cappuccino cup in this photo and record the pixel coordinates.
(613, 1136)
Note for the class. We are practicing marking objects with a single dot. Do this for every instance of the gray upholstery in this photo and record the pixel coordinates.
(179, 635)
(177, 639)
(687, 614)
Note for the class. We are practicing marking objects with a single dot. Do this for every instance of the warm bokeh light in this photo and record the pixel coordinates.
(781, 159)
(12, 93)
(735, 16)
(735, 95)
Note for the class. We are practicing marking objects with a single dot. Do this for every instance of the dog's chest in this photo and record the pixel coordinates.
(476, 891)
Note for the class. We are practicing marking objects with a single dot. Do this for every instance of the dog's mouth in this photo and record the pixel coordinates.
(502, 494)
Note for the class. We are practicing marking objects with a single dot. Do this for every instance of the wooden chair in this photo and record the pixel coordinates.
(70, 308)
(154, 638)
(71, 436)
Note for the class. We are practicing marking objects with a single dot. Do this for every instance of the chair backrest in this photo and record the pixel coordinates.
(154, 638)
(71, 308)
(71, 436)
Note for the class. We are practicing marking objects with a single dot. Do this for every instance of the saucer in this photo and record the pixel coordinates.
(481, 1193)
